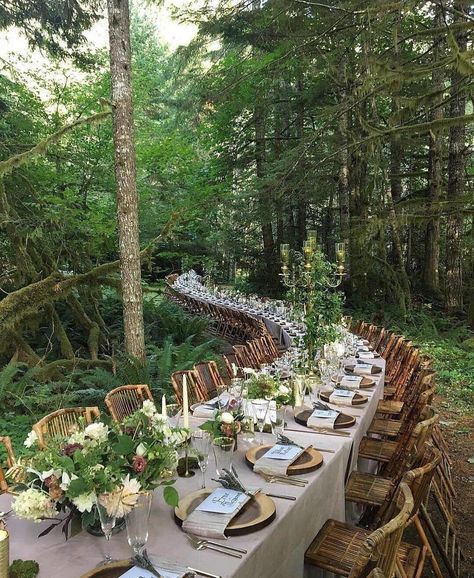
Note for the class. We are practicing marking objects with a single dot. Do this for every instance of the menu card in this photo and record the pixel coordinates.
(137, 572)
(223, 501)
(321, 419)
(282, 452)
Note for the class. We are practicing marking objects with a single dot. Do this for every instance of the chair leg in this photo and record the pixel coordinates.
(427, 545)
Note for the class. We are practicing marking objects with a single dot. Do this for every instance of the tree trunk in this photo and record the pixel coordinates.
(265, 205)
(435, 180)
(125, 175)
(456, 181)
(301, 203)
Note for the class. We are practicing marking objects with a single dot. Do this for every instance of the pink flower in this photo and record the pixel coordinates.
(139, 464)
(71, 448)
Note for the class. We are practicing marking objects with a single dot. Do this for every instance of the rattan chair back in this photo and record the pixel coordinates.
(126, 399)
(63, 422)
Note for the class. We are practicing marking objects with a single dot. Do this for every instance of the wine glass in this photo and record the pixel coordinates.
(201, 442)
(137, 522)
(107, 505)
(260, 410)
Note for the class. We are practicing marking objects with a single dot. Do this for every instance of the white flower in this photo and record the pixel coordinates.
(283, 390)
(31, 439)
(227, 417)
(249, 371)
(77, 438)
(141, 450)
(84, 502)
(159, 420)
(149, 408)
(48, 473)
(97, 432)
(66, 479)
(34, 505)
(128, 496)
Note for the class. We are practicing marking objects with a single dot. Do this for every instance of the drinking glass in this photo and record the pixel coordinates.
(201, 442)
(174, 413)
(137, 522)
(260, 411)
(223, 448)
(107, 506)
(278, 420)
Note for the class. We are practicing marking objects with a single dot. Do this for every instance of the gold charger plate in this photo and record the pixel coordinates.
(358, 399)
(342, 420)
(308, 461)
(365, 383)
(257, 513)
(112, 570)
(374, 371)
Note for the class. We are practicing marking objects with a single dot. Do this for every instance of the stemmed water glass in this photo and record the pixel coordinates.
(137, 522)
(201, 443)
(260, 411)
(107, 505)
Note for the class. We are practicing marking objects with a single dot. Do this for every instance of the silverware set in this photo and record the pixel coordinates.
(202, 544)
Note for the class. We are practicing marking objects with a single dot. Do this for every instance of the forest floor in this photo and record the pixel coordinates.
(458, 431)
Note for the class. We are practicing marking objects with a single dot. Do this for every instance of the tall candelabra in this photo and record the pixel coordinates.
(298, 272)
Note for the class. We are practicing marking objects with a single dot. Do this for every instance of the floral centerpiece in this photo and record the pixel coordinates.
(261, 385)
(100, 458)
(226, 420)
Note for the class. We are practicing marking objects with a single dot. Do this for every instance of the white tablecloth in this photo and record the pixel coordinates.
(276, 551)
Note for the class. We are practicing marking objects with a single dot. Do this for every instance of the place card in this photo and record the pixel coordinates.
(282, 452)
(363, 348)
(363, 369)
(222, 501)
(326, 414)
(343, 393)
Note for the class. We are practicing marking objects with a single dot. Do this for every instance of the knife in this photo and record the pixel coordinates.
(202, 573)
(281, 496)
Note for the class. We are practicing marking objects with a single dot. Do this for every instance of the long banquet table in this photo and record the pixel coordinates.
(276, 551)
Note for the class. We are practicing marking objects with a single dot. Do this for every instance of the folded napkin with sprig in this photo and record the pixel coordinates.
(342, 396)
(211, 518)
(277, 460)
(147, 568)
(323, 417)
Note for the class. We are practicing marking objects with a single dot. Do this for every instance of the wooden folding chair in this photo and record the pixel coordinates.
(210, 377)
(63, 422)
(126, 399)
(197, 391)
(10, 461)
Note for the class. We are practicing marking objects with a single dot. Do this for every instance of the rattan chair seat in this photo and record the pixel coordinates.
(338, 544)
(336, 547)
(375, 449)
(369, 489)
(385, 427)
(390, 406)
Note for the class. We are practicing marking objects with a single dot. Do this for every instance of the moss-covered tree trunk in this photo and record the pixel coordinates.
(456, 176)
(125, 175)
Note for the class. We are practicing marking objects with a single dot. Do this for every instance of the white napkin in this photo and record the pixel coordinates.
(322, 419)
(351, 381)
(363, 369)
(206, 411)
(213, 524)
(363, 348)
(366, 354)
(342, 397)
(277, 465)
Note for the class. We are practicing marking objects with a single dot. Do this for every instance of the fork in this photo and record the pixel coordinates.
(206, 541)
(203, 545)
(282, 480)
